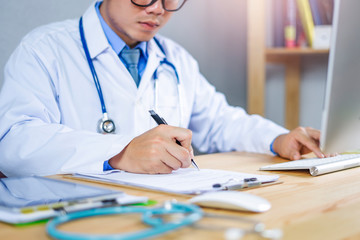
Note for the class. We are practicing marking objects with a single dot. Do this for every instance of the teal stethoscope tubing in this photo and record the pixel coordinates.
(97, 83)
(192, 213)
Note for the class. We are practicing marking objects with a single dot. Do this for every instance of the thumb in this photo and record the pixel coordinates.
(191, 152)
(295, 155)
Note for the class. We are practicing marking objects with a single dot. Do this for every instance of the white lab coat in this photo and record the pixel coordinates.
(49, 106)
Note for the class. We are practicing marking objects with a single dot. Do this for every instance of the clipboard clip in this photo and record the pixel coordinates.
(235, 184)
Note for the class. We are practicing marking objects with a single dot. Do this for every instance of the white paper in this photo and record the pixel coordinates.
(185, 181)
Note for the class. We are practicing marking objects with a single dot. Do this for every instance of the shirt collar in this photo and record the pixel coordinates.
(114, 40)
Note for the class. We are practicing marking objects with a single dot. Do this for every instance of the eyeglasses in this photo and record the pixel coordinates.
(168, 5)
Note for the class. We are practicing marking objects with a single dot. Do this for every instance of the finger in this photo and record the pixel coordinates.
(183, 135)
(192, 153)
(331, 155)
(313, 147)
(295, 155)
(167, 154)
(172, 161)
(310, 144)
(181, 154)
(313, 133)
(160, 168)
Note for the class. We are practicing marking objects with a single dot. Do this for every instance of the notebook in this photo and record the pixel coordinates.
(185, 180)
(318, 166)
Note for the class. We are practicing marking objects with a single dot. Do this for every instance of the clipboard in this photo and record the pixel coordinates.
(29, 199)
(187, 181)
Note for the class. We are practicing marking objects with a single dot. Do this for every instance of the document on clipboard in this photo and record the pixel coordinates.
(185, 180)
(29, 199)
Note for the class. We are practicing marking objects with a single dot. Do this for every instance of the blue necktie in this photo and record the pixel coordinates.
(131, 58)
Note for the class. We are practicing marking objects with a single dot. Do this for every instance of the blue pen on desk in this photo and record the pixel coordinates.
(159, 120)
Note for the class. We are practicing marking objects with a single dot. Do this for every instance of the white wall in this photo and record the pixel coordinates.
(214, 31)
(18, 17)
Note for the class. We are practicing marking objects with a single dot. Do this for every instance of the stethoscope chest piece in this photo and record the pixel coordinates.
(106, 125)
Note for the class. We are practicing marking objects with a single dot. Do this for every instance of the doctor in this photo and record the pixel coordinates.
(69, 83)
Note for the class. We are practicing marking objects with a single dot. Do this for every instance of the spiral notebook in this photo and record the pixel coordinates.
(185, 180)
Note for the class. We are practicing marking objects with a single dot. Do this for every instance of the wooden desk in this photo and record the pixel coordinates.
(304, 207)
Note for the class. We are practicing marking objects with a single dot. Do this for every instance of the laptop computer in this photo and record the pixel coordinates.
(340, 127)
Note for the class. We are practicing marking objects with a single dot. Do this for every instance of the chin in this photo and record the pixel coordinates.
(145, 37)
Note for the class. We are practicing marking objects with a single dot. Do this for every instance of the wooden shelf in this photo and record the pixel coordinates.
(295, 51)
(259, 56)
(286, 55)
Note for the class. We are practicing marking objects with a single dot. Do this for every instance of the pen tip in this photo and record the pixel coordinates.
(194, 164)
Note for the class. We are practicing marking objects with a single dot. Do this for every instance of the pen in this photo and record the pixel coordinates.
(247, 182)
(159, 120)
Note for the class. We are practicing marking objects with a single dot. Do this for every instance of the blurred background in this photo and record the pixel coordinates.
(213, 31)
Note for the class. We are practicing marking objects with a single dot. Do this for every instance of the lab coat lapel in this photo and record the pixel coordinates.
(155, 56)
(168, 100)
(107, 63)
(94, 34)
(146, 93)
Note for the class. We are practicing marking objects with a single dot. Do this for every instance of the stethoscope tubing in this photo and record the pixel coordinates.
(105, 119)
(92, 68)
(192, 214)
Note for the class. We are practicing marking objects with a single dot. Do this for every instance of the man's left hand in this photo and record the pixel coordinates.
(301, 140)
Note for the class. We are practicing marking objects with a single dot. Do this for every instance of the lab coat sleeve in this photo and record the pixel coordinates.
(33, 140)
(219, 127)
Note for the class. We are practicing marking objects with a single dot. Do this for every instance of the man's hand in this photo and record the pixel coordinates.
(156, 151)
(298, 142)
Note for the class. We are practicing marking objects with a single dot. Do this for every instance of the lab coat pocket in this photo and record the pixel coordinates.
(169, 108)
(167, 96)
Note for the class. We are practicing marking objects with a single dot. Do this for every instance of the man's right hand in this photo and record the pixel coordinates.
(156, 151)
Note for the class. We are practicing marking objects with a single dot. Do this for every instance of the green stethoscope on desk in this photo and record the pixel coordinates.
(153, 217)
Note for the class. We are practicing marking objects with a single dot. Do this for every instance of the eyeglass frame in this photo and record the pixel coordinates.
(163, 4)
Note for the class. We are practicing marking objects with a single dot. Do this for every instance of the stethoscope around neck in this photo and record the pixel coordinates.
(106, 125)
